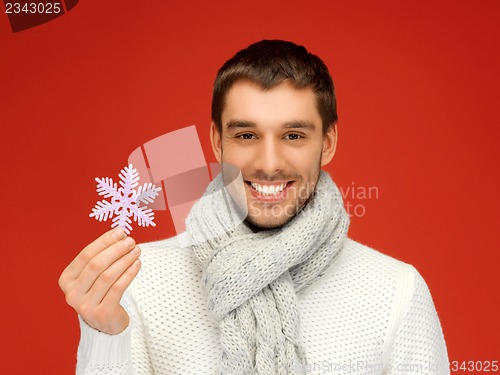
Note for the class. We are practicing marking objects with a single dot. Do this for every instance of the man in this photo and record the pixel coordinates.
(283, 290)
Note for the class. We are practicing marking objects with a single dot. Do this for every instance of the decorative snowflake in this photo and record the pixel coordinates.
(125, 200)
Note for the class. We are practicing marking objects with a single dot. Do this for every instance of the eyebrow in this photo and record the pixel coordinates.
(233, 124)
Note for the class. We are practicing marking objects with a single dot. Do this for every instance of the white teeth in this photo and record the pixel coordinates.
(268, 189)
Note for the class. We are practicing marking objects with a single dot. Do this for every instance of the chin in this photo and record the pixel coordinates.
(259, 224)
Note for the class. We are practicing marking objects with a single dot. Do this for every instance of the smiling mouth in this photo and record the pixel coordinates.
(269, 192)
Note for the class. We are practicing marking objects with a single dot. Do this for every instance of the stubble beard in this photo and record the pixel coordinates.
(274, 216)
(288, 213)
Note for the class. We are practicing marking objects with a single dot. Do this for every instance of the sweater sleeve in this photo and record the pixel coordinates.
(419, 346)
(121, 354)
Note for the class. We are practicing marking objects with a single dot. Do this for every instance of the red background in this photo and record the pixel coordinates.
(417, 86)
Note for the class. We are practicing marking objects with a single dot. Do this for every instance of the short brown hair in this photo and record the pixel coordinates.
(270, 62)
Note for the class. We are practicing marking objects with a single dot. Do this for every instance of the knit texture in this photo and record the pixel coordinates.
(368, 314)
(251, 279)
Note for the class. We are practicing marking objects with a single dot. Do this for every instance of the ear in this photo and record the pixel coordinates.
(216, 139)
(329, 145)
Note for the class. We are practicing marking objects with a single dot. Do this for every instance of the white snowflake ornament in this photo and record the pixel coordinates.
(125, 200)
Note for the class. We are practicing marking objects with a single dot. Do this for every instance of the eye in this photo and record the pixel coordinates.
(245, 136)
(293, 136)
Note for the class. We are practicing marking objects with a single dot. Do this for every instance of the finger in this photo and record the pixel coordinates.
(100, 263)
(115, 293)
(110, 277)
(90, 251)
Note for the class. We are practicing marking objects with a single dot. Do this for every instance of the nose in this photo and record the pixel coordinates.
(269, 157)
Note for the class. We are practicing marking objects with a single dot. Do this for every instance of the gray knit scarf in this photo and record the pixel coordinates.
(252, 279)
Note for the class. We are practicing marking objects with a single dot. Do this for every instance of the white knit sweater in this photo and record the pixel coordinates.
(369, 314)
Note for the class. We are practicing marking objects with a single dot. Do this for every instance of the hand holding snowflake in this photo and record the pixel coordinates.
(125, 200)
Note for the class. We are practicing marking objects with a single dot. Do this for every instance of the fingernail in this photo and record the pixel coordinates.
(129, 241)
(137, 263)
(118, 233)
(136, 250)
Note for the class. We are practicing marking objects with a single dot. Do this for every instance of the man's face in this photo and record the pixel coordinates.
(275, 138)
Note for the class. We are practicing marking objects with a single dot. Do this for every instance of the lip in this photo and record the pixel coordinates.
(269, 183)
(269, 198)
